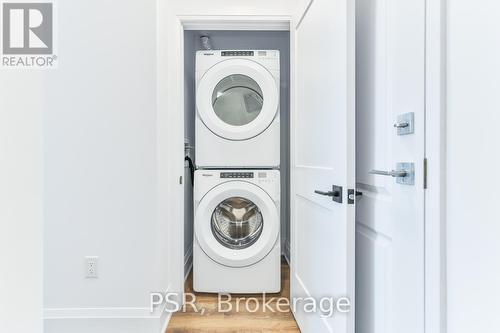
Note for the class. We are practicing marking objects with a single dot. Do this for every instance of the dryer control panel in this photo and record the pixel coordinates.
(236, 175)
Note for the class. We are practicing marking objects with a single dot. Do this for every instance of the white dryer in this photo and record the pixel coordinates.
(237, 109)
(237, 231)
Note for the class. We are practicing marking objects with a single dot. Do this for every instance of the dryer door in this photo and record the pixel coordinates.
(237, 99)
(237, 224)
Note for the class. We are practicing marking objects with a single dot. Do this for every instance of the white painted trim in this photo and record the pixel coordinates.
(164, 316)
(105, 312)
(251, 22)
(170, 105)
(117, 318)
(302, 13)
(108, 325)
(164, 321)
(351, 176)
(170, 144)
(435, 147)
(188, 262)
(286, 251)
(292, 242)
(111, 317)
(101, 313)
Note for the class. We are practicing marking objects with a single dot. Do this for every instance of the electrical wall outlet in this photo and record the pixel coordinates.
(91, 267)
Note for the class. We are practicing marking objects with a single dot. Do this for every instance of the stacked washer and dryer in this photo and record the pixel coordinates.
(237, 183)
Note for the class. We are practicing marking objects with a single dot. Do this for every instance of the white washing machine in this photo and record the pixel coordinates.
(237, 231)
(237, 109)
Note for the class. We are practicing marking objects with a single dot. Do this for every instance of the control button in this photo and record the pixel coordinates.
(237, 53)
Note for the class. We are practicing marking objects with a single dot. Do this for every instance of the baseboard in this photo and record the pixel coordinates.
(99, 313)
(188, 262)
(106, 320)
(105, 325)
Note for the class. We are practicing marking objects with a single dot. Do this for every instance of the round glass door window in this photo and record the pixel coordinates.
(237, 223)
(237, 99)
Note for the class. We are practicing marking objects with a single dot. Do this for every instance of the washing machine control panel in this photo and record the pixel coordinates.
(236, 53)
(236, 175)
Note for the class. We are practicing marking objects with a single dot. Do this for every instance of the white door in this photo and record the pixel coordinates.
(390, 221)
(322, 155)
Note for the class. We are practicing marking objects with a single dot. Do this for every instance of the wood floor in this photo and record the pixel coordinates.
(243, 321)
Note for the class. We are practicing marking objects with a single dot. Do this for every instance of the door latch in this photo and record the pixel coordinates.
(335, 193)
(352, 194)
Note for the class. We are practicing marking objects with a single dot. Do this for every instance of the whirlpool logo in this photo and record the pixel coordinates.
(28, 34)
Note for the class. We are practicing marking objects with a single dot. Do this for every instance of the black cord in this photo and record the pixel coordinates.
(191, 168)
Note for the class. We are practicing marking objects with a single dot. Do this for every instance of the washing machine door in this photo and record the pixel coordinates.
(237, 224)
(237, 99)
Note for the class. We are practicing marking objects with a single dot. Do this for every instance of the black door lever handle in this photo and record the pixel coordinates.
(329, 193)
(335, 193)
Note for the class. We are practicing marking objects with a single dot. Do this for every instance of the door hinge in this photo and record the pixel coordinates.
(425, 173)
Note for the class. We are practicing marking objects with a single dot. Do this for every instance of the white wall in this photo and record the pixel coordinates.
(473, 112)
(21, 210)
(101, 167)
